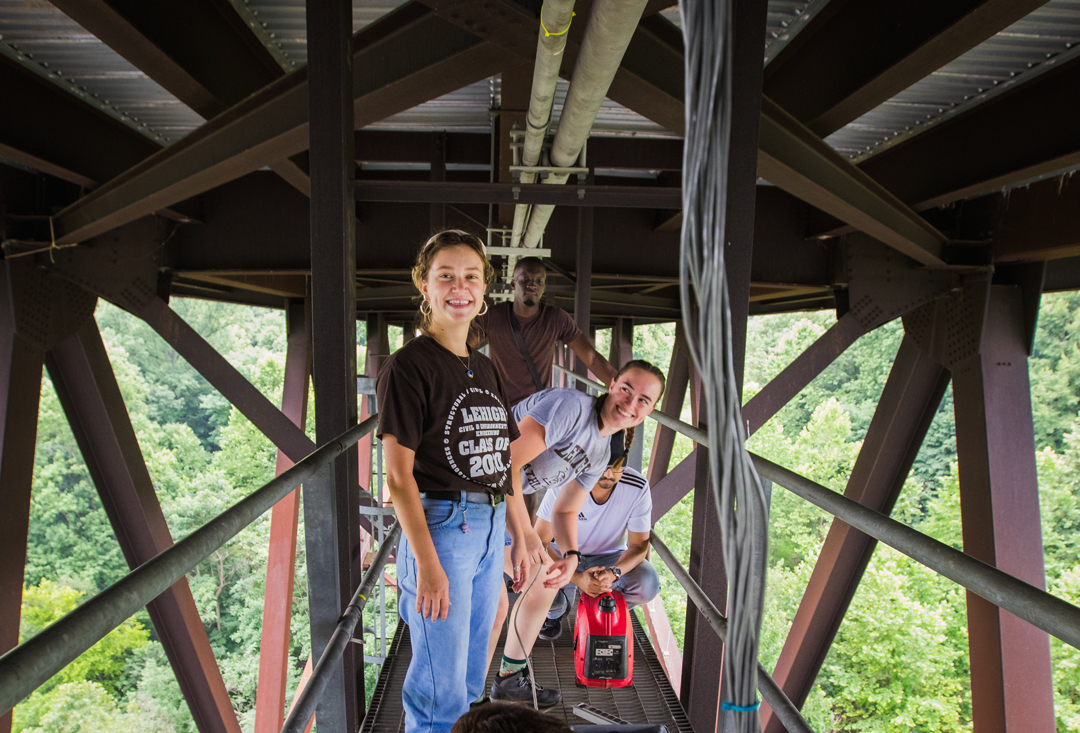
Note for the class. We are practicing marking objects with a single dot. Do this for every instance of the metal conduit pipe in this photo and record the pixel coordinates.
(31, 664)
(608, 33)
(555, 17)
(1023, 600)
(771, 693)
(309, 699)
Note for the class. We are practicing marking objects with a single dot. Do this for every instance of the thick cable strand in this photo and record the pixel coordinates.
(736, 488)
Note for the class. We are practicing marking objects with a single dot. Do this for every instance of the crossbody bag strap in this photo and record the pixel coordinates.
(539, 383)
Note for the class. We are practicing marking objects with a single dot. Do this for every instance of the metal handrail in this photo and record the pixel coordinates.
(1034, 605)
(30, 664)
(308, 701)
(785, 710)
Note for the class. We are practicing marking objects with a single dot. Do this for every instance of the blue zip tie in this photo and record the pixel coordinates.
(740, 708)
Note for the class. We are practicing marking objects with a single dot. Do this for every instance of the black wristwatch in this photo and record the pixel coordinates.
(616, 570)
(568, 553)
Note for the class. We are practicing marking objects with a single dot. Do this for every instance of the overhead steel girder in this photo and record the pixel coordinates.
(794, 159)
(1024, 130)
(195, 49)
(404, 59)
(200, 51)
(64, 131)
(400, 146)
(835, 71)
(650, 81)
(460, 192)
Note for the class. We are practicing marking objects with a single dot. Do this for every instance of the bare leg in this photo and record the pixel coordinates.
(528, 616)
(500, 618)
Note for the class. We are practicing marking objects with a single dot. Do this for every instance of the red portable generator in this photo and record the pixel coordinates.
(603, 642)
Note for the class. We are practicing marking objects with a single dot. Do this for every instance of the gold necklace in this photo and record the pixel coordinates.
(468, 367)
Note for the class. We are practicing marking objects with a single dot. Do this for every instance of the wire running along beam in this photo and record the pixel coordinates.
(1023, 600)
(306, 704)
(29, 665)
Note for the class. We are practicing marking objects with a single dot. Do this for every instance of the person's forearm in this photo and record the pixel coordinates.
(517, 515)
(410, 514)
(603, 370)
(565, 526)
(632, 557)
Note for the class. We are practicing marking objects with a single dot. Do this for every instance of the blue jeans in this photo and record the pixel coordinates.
(449, 658)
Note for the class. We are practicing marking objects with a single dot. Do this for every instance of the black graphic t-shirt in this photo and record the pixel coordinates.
(459, 427)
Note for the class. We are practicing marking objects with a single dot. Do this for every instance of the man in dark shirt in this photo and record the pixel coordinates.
(541, 326)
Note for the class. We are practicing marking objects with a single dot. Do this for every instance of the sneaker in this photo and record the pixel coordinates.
(518, 687)
(551, 630)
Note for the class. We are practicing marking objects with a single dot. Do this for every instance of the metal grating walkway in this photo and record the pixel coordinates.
(649, 700)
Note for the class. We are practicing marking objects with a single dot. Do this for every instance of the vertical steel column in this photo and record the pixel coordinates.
(82, 375)
(622, 342)
(438, 173)
(281, 560)
(1011, 681)
(377, 349)
(907, 406)
(703, 650)
(332, 498)
(20, 390)
(678, 376)
(583, 286)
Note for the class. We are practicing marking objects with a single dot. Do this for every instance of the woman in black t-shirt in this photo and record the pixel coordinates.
(447, 433)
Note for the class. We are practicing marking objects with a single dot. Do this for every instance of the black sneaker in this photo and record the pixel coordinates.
(518, 687)
(551, 630)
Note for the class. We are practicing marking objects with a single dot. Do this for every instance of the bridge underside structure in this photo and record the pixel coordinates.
(889, 161)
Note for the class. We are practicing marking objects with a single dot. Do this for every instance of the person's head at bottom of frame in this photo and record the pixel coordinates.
(497, 717)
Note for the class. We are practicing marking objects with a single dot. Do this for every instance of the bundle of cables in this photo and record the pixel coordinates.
(737, 490)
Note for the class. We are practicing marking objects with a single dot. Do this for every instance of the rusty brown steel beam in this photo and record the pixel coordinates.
(674, 485)
(1021, 131)
(429, 57)
(800, 372)
(64, 131)
(1011, 674)
(21, 360)
(284, 519)
(794, 159)
(88, 391)
(331, 499)
(274, 424)
(907, 406)
(838, 71)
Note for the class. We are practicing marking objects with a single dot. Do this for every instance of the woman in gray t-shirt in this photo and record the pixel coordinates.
(564, 445)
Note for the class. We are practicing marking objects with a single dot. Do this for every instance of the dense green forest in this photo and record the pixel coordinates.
(900, 660)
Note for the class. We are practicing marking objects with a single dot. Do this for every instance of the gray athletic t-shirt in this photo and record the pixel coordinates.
(602, 527)
(575, 449)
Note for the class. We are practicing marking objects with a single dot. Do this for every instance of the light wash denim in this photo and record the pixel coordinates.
(640, 585)
(449, 657)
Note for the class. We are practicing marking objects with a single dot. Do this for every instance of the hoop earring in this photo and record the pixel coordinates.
(483, 312)
(426, 302)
